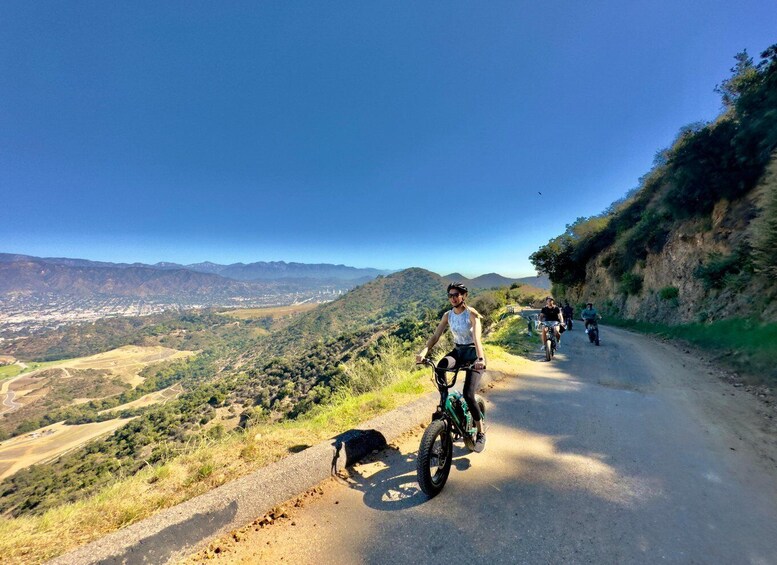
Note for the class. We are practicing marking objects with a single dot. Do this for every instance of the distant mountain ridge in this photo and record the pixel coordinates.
(260, 270)
(27, 275)
(282, 270)
(492, 280)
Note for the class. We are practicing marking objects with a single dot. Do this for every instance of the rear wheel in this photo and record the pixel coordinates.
(434, 458)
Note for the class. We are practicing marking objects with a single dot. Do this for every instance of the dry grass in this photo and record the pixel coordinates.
(49, 443)
(158, 397)
(126, 362)
(273, 312)
(199, 468)
(203, 466)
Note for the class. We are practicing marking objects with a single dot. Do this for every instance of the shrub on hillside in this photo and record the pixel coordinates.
(764, 227)
(669, 292)
(631, 283)
(720, 270)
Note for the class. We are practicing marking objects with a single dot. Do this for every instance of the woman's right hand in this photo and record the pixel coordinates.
(419, 359)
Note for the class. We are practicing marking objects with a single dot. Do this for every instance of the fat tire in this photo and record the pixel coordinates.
(548, 350)
(432, 484)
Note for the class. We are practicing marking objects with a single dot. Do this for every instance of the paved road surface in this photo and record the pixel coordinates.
(626, 453)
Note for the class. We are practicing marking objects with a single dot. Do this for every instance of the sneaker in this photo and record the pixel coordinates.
(480, 442)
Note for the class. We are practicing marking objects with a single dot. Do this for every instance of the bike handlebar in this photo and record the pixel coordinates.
(455, 371)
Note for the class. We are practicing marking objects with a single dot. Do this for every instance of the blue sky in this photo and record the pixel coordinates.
(381, 134)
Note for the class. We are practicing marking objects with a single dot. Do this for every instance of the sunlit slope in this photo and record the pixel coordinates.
(406, 293)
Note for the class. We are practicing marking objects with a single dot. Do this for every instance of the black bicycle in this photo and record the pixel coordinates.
(593, 331)
(550, 344)
(452, 421)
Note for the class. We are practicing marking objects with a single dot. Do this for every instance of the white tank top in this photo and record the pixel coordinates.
(461, 328)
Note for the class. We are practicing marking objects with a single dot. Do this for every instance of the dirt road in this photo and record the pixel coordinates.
(631, 452)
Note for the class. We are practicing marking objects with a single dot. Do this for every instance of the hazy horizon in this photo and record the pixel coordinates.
(468, 275)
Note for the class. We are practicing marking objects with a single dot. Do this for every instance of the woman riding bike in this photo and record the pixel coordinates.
(464, 323)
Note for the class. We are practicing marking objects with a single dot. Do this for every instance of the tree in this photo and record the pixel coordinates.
(743, 74)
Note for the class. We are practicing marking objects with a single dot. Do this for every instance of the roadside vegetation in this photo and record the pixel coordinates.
(343, 393)
(744, 345)
(725, 159)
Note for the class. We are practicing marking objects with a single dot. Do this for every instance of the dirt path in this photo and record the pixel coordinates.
(632, 452)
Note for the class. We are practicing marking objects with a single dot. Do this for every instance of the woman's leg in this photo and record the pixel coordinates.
(471, 386)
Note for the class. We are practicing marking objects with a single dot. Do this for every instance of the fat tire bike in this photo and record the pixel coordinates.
(452, 421)
(593, 331)
(550, 345)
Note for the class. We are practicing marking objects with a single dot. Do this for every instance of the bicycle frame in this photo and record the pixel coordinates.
(450, 401)
(550, 330)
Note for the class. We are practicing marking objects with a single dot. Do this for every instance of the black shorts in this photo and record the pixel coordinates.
(463, 354)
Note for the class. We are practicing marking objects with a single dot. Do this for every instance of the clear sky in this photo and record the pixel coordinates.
(380, 134)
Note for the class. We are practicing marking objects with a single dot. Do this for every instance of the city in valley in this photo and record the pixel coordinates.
(23, 314)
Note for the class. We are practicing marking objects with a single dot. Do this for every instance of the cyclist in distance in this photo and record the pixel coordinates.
(551, 313)
(464, 323)
(589, 314)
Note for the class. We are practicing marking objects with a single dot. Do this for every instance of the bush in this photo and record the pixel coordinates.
(764, 226)
(631, 283)
(720, 271)
(669, 292)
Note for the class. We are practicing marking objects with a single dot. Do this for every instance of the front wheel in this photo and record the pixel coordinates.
(548, 350)
(434, 458)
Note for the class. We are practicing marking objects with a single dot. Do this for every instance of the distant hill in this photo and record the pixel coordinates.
(406, 293)
(275, 270)
(492, 280)
(39, 276)
(165, 282)
(208, 283)
(540, 281)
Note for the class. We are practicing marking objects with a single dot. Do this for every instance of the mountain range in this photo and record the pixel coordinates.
(494, 280)
(203, 283)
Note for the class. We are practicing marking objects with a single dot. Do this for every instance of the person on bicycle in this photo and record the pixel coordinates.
(589, 314)
(551, 313)
(568, 312)
(464, 323)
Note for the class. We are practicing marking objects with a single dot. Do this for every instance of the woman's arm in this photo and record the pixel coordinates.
(476, 334)
(434, 339)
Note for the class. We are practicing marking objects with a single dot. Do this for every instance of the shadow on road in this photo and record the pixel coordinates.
(389, 481)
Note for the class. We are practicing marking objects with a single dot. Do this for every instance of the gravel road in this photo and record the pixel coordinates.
(632, 452)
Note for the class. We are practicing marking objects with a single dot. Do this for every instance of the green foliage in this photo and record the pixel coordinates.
(488, 304)
(513, 336)
(764, 226)
(631, 284)
(720, 271)
(707, 163)
(669, 293)
(744, 344)
(391, 361)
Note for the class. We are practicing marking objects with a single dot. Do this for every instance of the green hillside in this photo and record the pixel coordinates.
(239, 378)
(706, 180)
(693, 246)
